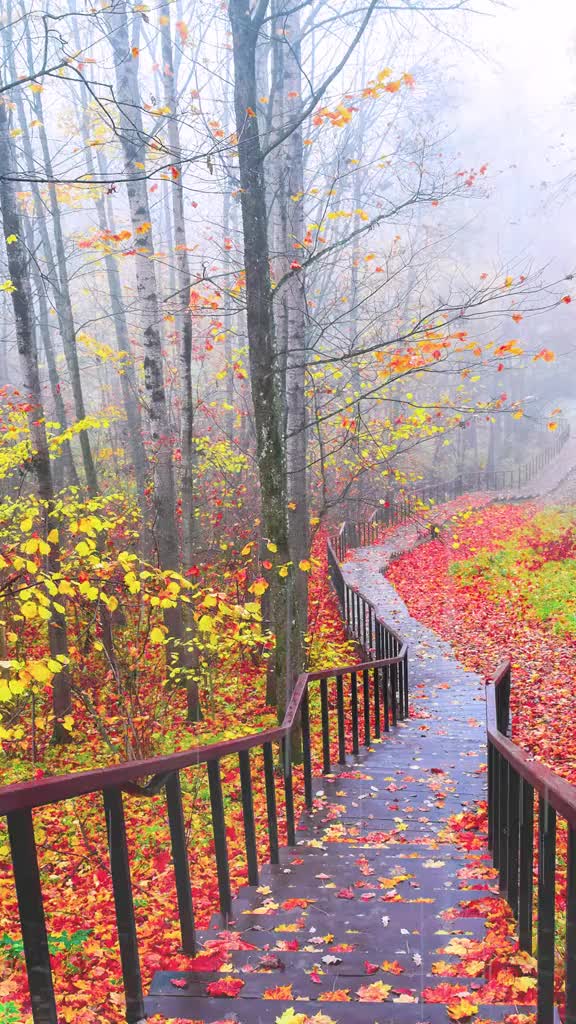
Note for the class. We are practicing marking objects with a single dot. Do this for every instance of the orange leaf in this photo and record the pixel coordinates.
(280, 992)
(336, 995)
(377, 992)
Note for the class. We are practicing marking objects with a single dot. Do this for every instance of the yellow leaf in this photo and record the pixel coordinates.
(462, 1009)
(205, 624)
(41, 673)
(258, 587)
(272, 547)
(53, 537)
(156, 635)
(290, 1016)
(304, 565)
(29, 609)
(11, 239)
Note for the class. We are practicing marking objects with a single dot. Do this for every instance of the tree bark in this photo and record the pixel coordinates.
(133, 140)
(290, 231)
(184, 332)
(62, 297)
(23, 315)
(264, 375)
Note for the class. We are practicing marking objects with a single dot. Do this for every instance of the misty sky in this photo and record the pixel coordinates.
(517, 111)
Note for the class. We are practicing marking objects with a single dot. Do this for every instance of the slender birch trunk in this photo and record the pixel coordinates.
(23, 315)
(61, 287)
(133, 140)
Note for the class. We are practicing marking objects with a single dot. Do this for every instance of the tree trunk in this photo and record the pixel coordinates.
(22, 303)
(133, 140)
(293, 299)
(128, 379)
(264, 376)
(62, 297)
(184, 333)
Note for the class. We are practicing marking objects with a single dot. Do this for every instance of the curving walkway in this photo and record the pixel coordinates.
(371, 899)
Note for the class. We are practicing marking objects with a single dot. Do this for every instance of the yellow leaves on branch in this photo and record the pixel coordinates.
(103, 351)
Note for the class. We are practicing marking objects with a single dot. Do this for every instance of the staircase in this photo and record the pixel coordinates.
(366, 904)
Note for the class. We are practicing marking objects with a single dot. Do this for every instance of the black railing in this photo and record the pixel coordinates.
(369, 698)
(399, 508)
(515, 779)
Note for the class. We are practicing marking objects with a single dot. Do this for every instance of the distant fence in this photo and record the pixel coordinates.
(400, 507)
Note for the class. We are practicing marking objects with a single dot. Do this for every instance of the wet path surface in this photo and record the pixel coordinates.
(355, 920)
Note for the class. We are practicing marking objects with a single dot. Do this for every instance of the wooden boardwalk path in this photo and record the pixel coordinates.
(372, 892)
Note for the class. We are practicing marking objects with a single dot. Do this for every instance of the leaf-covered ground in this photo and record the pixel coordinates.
(488, 585)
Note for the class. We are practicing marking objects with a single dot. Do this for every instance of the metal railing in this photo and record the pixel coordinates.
(401, 507)
(515, 779)
(370, 697)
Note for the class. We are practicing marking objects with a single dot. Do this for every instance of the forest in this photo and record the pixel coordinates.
(277, 383)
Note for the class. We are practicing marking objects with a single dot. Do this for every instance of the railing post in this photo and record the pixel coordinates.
(341, 722)
(180, 860)
(386, 696)
(546, 887)
(366, 702)
(513, 837)
(271, 803)
(306, 749)
(497, 840)
(393, 689)
(503, 703)
(288, 791)
(220, 844)
(354, 702)
(406, 690)
(125, 919)
(376, 687)
(526, 880)
(248, 817)
(490, 796)
(32, 920)
(570, 1017)
(503, 794)
(326, 760)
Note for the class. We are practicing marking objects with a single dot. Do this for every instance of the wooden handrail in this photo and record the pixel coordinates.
(54, 789)
(559, 793)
